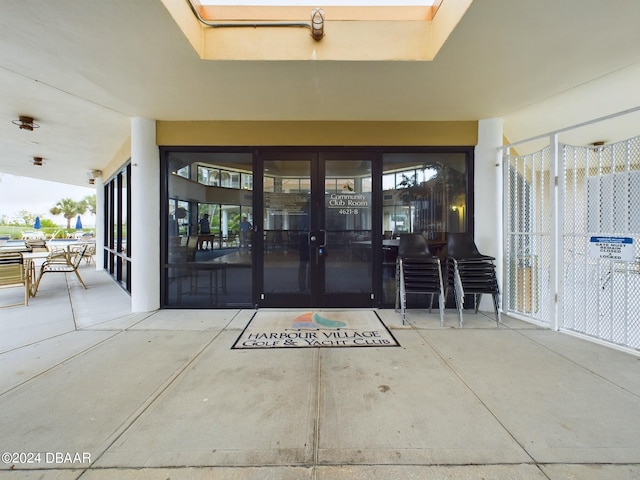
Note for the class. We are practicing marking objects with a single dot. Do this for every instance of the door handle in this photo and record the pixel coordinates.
(324, 236)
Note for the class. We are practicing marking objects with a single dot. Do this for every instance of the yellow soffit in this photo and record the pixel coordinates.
(350, 33)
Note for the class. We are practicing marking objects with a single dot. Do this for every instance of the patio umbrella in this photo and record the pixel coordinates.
(78, 223)
(36, 225)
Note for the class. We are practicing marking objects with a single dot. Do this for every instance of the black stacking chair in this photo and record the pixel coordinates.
(470, 272)
(417, 272)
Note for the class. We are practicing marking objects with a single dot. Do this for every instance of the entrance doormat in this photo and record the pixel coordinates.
(319, 329)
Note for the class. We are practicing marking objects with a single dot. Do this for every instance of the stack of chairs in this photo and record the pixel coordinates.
(418, 271)
(470, 273)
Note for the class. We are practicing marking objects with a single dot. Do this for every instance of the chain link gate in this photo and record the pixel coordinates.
(598, 196)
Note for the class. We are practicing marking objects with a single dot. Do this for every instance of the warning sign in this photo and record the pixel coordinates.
(613, 248)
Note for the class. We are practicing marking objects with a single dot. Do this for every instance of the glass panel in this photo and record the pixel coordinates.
(427, 195)
(230, 225)
(117, 227)
(229, 179)
(247, 181)
(388, 181)
(366, 185)
(208, 176)
(123, 217)
(269, 184)
(108, 223)
(246, 229)
(348, 227)
(286, 220)
(183, 172)
(215, 212)
(208, 268)
(115, 218)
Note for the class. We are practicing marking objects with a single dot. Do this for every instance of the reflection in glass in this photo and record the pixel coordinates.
(425, 193)
(348, 205)
(208, 269)
(117, 222)
(286, 220)
(422, 193)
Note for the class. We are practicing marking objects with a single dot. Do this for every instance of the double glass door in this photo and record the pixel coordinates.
(315, 231)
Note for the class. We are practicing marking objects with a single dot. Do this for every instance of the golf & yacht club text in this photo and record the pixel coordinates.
(308, 338)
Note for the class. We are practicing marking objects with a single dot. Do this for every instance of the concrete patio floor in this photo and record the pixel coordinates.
(99, 392)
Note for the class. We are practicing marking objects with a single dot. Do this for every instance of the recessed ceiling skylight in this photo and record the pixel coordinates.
(322, 3)
(335, 10)
(359, 30)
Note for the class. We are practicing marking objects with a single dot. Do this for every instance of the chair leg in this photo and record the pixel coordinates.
(496, 305)
(397, 287)
(401, 294)
(459, 306)
(80, 279)
(441, 297)
(397, 296)
(458, 291)
(35, 290)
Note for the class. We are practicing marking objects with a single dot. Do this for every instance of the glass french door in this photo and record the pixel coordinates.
(316, 228)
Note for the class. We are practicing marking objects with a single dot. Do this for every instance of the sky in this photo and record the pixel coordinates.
(38, 197)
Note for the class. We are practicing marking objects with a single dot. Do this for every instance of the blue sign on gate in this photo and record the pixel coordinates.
(613, 248)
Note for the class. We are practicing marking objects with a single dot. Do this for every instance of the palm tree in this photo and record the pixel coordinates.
(69, 209)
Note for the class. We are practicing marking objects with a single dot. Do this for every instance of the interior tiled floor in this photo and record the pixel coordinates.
(90, 390)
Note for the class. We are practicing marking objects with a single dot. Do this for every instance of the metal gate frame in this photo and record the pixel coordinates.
(555, 200)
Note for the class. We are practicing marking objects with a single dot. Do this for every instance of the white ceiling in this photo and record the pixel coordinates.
(83, 69)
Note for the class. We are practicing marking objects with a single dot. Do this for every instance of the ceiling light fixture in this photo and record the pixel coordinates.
(37, 161)
(92, 175)
(25, 123)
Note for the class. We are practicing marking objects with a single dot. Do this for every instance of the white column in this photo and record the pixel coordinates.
(145, 216)
(488, 196)
(99, 222)
(225, 223)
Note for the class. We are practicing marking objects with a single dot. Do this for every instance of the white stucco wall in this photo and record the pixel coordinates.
(488, 196)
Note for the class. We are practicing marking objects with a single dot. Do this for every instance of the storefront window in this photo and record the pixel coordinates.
(117, 194)
(422, 193)
(206, 262)
(212, 256)
(425, 193)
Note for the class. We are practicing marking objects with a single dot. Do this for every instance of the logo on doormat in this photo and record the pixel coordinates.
(269, 329)
(315, 320)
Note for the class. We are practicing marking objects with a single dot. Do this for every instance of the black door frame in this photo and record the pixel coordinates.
(377, 154)
(317, 297)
